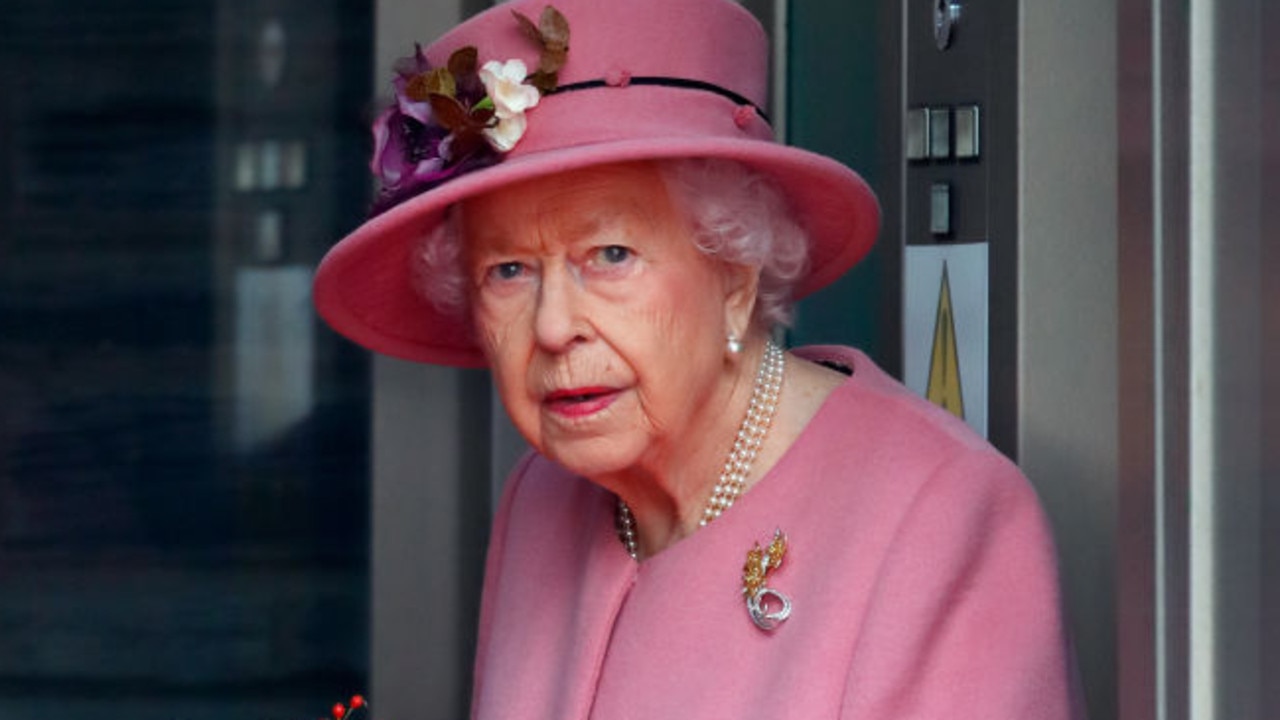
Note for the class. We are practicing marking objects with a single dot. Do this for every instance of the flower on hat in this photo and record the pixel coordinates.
(505, 84)
(511, 97)
(451, 120)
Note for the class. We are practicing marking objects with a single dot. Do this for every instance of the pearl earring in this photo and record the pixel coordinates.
(734, 344)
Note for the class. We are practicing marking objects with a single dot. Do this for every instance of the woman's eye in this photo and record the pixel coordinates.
(506, 271)
(614, 254)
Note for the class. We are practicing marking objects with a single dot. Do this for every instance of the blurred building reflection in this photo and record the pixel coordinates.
(183, 450)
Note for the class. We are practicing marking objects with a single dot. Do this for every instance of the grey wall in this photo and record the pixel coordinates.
(431, 490)
(1067, 294)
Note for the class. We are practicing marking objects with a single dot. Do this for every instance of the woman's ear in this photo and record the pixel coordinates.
(741, 284)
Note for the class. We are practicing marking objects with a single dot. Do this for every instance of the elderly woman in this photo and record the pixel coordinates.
(587, 199)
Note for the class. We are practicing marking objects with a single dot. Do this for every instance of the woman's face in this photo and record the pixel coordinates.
(603, 324)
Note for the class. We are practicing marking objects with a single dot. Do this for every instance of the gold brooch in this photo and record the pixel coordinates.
(768, 607)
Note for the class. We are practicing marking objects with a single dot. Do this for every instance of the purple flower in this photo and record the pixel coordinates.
(412, 150)
(411, 157)
(407, 70)
(405, 150)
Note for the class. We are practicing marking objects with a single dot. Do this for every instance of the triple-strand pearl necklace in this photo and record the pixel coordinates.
(746, 446)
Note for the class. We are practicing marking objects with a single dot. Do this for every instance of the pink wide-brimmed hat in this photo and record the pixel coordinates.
(641, 79)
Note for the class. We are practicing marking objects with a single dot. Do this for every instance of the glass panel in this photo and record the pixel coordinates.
(183, 448)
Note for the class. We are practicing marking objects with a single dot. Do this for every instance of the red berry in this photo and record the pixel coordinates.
(357, 701)
(339, 712)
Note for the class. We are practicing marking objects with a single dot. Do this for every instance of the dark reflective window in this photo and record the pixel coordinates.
(183, 447)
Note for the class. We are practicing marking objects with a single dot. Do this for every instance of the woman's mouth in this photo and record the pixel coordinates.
(579, 402)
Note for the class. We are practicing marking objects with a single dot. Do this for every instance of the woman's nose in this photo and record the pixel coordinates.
(558, 318)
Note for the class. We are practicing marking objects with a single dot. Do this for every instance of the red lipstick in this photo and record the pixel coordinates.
(579, 402)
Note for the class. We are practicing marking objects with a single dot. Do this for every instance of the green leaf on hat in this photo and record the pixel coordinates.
(441, 82)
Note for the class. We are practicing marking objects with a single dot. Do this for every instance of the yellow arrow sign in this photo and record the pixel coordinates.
(944, 362)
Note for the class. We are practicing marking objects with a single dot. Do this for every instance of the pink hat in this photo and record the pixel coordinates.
(642, 79)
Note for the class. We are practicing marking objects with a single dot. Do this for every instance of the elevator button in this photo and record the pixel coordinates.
(940, 209)
(967, 136)
(917, 127)
(939, 133)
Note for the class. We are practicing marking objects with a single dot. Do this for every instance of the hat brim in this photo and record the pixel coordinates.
(364, 287)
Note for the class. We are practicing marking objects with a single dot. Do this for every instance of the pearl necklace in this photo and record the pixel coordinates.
(751, 434)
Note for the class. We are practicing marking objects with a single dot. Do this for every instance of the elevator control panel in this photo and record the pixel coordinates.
(959, 202)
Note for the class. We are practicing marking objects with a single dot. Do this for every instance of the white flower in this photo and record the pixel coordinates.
(505, 85)
(507, 133)
(511, 97)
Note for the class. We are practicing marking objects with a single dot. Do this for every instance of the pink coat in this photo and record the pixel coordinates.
(921, 571)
